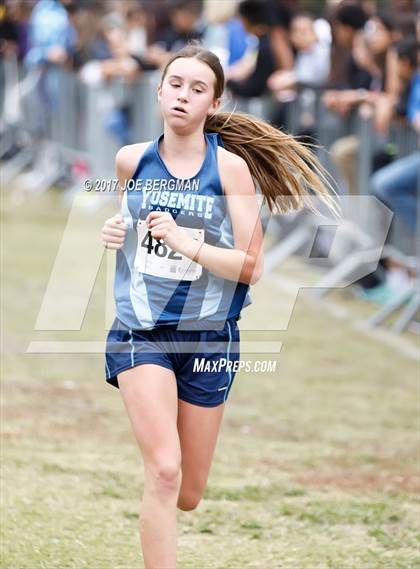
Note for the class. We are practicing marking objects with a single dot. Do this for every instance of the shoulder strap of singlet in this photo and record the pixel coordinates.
(219, 140)
(148, 149)
(217, 137)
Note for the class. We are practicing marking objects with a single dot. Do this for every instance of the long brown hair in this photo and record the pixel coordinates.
(286, 170)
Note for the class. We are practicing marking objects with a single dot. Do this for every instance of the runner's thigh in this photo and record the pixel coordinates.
(149, 392)
(198, 429)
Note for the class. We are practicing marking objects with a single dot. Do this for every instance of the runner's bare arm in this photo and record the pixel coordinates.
(243, 263)
(126, 161)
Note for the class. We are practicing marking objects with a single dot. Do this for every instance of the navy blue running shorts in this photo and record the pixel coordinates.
(203, 361)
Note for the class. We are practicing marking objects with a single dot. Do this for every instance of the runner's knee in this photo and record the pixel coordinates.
(189, 501)
(164, 474)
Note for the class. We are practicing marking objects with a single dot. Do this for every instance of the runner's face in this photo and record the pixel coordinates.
(189, 85)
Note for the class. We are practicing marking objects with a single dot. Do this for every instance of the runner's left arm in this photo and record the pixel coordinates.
(243, 263)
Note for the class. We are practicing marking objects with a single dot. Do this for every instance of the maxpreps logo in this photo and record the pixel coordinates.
(223, 364)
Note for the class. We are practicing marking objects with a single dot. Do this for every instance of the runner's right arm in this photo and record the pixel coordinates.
(126, 160)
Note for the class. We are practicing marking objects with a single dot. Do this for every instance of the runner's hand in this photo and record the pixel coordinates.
(113, 232)
(163, 227)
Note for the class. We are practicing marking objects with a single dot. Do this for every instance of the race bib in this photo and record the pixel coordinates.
(157, 259)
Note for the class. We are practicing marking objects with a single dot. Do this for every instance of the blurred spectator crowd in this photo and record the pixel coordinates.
(358, 56)
(362, 52)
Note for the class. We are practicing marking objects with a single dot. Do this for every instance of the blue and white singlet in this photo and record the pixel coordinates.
(156, 286)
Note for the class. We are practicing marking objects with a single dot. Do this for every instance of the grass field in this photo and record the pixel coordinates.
(316, 464)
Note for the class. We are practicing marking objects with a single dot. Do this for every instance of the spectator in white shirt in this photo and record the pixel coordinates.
(312, 57)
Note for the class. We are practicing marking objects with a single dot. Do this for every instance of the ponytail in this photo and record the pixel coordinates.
(286, 170)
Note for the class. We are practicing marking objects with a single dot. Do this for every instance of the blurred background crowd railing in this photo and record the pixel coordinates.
(78, 80)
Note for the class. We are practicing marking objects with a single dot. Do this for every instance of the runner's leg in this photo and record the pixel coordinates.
(149, 393)
(198, 428)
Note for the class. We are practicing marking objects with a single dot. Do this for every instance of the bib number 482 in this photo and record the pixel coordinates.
(159, 249)
(153, 257)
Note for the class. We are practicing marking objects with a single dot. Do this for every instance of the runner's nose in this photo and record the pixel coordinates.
(182, 97)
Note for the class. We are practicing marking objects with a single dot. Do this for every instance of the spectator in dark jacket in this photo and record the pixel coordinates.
(185, 24)
(347, 25)
(254, 16)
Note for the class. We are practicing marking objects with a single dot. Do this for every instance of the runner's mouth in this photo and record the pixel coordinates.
(179, 109)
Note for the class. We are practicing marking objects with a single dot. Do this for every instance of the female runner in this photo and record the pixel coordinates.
(189, 245)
